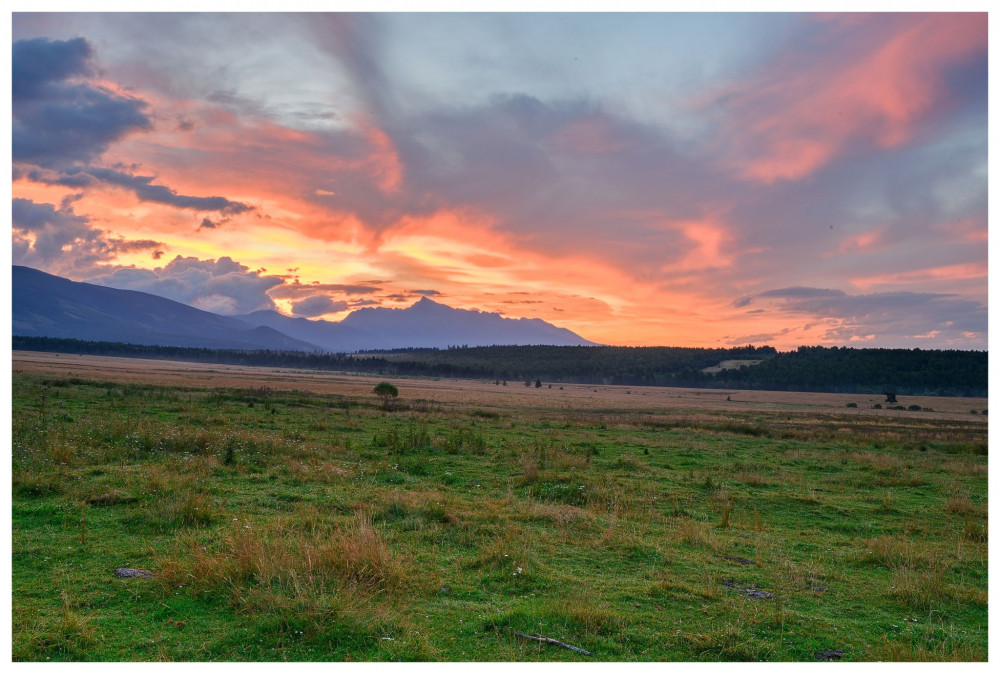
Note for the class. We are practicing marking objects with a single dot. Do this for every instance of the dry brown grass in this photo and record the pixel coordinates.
(976, 529)
(485, 395)
(880, 462)
(965, 467)
(752, 479)
(529, 466)
(961, 504)
(510, 549)
(317, 471)
(559, 514)
(899, 551)
(695, 533)
(287, 564)
(594, 619)
(914, 649)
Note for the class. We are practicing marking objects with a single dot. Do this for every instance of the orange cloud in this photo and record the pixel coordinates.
(383, 164)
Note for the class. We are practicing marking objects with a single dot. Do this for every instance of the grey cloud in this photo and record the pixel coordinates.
(895, 319)
(145, 191)
(223, 285)
(121, 245)
(141, 186)
(317, 305)
(426, 293)
(53, 229)
(757, 339)
(802, 292)
(63, 242)
(295, 290)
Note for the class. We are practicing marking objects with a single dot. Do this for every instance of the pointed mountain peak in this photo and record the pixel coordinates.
(425, 303)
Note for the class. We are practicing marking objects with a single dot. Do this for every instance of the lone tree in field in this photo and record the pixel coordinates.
(385, 391)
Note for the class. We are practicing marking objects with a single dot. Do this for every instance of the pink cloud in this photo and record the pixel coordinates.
(861, 243)
(953, 272)
(875, 89)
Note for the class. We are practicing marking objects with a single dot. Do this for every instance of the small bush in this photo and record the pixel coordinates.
(852, 404)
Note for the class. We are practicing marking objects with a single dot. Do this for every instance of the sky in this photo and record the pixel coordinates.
(641, 179)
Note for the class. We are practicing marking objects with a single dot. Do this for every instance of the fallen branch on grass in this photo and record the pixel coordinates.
(546, 640)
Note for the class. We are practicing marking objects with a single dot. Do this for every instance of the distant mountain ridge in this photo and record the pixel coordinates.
(326, 335)
(51, 306)
(431, 324)
(426, 324)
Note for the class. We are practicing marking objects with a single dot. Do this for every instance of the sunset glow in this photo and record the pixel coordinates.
(780, 179)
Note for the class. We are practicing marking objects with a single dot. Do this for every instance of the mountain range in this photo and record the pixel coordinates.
(51, 306)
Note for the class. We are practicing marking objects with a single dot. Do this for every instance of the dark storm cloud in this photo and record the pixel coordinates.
(62, 122)
(58, 121)
(35, 63)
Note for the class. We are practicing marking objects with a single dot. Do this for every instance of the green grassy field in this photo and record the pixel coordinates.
(300, 526)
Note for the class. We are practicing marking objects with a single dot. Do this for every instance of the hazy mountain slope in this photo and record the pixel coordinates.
(52, 306)
(430, 324)
(327, 335)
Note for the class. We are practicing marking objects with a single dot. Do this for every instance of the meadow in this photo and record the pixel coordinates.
(289, 515)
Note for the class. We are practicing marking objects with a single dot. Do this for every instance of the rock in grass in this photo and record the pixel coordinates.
(133, 573)
(829, 655)
(756, 594)
(751, 592)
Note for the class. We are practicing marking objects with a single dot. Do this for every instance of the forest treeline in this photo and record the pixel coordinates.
(810, 368)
